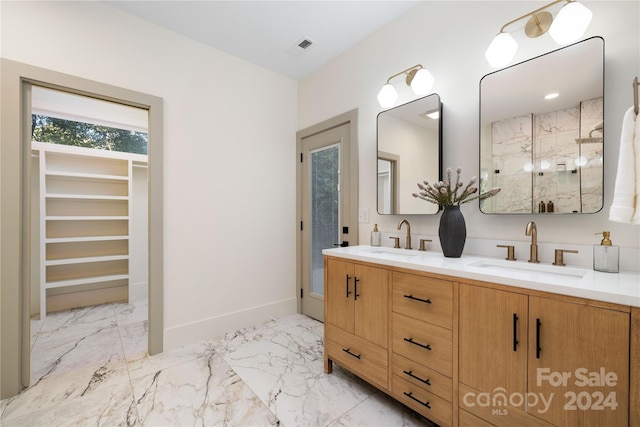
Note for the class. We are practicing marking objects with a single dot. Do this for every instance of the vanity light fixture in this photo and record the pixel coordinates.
(569, 25)
(418, 77)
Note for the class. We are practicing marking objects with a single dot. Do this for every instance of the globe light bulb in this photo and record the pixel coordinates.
(501, 51)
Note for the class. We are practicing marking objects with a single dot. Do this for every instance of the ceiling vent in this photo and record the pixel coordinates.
(301, 46)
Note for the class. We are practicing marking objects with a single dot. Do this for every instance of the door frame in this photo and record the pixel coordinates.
(350, 117)
(15, 179)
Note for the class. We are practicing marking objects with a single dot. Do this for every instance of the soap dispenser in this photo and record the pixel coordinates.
(605, 255)
(375, 236)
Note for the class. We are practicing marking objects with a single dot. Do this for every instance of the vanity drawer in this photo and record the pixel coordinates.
(360, 356)
(428, 404)
(422, 377)
(423, 342)
(423, 298)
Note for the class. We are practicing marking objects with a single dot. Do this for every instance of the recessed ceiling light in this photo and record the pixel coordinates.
(434, 115)
(552, 95)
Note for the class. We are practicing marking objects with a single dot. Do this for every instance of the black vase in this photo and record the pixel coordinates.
(452, 231)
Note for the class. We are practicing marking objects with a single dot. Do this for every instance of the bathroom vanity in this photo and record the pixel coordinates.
(476, 341)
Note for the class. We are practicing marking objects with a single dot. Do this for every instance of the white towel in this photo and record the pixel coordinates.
(625, 197)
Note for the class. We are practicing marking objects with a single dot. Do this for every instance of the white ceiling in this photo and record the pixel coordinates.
(266, 32)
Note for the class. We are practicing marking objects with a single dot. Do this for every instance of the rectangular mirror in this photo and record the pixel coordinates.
(409, 151)
(542, 133)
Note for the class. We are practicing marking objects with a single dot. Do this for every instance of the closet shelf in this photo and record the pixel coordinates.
(84, 196)
(86, 176)
(86, 213)
(85, 281)
(81, 260)
(85, 239)
(86, 217)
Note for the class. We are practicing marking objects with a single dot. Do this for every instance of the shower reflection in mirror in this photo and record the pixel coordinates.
(542, 133)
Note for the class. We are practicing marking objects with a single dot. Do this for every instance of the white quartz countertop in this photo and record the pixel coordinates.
(618, 288)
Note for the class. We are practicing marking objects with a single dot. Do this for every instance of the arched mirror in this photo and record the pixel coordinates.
(542, 133)
(409, 151)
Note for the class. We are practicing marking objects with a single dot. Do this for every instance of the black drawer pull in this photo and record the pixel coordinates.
(538, 349)
(355, 288)
(427, 347)
(348, 351)
(412, 375)
(428, 301)
(410, 396)
(515, 332)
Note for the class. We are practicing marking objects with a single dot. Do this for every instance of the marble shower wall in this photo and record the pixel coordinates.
(539, 155)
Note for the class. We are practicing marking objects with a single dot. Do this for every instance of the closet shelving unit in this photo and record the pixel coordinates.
(85, 217)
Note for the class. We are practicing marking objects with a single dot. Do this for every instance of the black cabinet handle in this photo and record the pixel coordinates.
(428, 301)
(348, 351)
(355, 288)
(412, 375)
(410, 396)
(348, 277)
(515, 332)
(410, 340)
(538, 349)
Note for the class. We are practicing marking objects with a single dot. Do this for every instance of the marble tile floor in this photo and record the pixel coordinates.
(90, 368)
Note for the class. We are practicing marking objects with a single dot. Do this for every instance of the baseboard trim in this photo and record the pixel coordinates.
(219, 325)
(138, 290)
(86, 298)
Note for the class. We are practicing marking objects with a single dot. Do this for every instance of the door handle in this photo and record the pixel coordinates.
(422, 380)
(538, 349)
(355, 288)
(515, 332)
(426, 301)
(425, 346)
(348, 277)
(411, 396)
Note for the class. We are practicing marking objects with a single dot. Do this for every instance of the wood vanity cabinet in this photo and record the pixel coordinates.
(463, 352)
(357, 319)
(519, 349)
(422, 341)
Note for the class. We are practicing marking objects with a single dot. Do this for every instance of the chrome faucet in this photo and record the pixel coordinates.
(532, 231)
(408, 242)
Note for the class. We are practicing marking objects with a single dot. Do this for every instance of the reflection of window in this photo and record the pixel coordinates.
(81, 134)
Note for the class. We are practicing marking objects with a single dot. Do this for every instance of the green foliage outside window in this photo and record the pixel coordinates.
(78, 134)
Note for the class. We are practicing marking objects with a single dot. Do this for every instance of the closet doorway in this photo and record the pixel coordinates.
(16, 228)
(89, 221)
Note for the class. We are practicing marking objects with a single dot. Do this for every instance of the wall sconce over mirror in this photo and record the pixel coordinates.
(568, 26)
(409, 151)
(417, 77)
(545, 151)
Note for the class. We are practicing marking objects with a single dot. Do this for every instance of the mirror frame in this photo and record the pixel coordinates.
(385, 155)
(532, 113)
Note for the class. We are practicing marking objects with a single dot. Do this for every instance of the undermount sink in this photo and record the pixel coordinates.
(393, 251)
(531, 268)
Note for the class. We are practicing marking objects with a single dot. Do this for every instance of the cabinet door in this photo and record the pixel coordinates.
(371, 298)
(579, 358)
(493, 343)
(339, 294)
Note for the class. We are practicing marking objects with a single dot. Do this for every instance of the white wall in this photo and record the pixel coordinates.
(229, 171)
(450, 38)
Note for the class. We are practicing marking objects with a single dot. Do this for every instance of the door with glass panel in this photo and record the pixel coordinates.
(325, 222)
